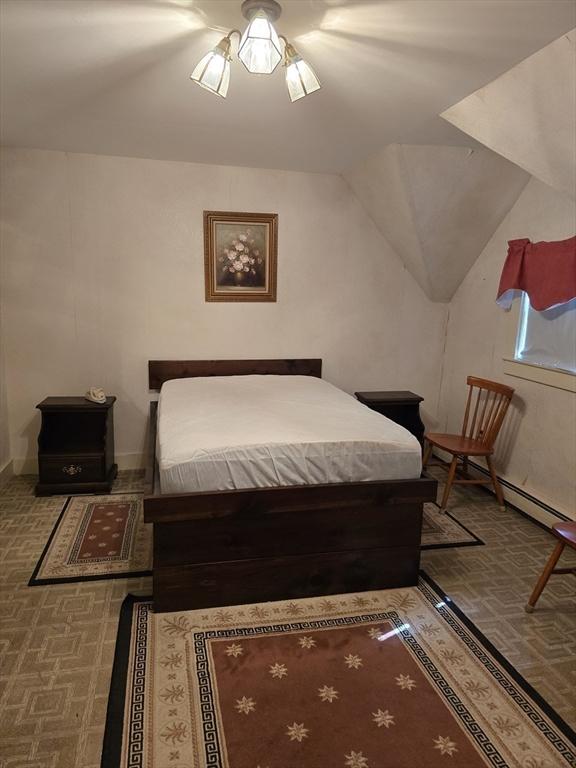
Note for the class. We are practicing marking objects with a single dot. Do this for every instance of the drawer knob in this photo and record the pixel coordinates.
(72, 469)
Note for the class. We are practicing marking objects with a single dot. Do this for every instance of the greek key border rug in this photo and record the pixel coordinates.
(388, 679)
(97, 537)
(104, 537)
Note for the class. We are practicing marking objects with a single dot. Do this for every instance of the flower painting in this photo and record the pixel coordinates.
(240, 256)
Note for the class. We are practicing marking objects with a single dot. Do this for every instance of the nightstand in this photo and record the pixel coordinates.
(76, 446)
(401, 407)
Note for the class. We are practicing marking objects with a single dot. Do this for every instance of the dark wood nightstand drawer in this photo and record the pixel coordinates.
(71, 469)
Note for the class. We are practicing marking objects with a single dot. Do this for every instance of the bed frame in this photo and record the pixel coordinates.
(252, 545)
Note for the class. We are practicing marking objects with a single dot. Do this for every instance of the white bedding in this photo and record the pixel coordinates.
(226, 432)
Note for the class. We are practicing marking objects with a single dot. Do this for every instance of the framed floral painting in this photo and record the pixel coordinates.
(240, 255)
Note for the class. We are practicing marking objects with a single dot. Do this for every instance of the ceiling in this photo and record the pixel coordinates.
(501, 115)
(111, 76)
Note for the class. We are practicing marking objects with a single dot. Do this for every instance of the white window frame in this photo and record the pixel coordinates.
(542, 374)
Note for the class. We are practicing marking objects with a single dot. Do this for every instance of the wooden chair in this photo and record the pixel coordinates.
(566, 534)
(486, 407)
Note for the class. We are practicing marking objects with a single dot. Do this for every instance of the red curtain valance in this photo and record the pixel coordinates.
(545, 271)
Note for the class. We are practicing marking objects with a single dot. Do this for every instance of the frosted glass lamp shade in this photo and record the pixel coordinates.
(213, 70)
(260, 50)
(300, 77)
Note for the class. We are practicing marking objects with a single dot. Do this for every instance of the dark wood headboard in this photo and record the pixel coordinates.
(160, 371)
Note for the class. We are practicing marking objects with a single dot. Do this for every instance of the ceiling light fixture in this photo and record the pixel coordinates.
(300, 77)
(213, 70)
(260, 51)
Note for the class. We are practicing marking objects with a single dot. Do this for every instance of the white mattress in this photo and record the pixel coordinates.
(226, 432)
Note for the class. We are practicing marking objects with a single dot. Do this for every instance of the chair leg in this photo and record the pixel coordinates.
(543, 580)
(496, 484)
(449, 481)
(427, 454)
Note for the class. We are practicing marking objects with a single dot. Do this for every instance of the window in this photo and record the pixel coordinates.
(547, 338)
(541, 346)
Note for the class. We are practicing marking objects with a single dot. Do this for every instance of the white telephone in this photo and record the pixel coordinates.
(96, 395)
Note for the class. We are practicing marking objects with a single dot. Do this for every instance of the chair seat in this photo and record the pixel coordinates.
(458, 444)
(566, 532)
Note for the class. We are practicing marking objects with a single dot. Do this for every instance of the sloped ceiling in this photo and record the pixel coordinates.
(437, 206)
(528, 115)
(112, 76)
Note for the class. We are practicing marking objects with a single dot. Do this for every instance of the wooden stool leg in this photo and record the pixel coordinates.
(543, 580)
(496, 484)
(427, 453)
(449, 481)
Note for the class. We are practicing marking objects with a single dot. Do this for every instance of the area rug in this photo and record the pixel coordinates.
(97, 537)
(388, 679)
(440, 530)
(104, 537)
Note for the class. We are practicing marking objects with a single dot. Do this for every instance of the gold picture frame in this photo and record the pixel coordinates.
(240, 256)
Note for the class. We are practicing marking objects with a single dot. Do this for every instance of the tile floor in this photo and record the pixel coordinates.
(57, 641)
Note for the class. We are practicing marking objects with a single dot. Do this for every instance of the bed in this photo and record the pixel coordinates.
(265, 483)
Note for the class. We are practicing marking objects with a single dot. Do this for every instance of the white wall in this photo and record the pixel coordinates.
(104, 270)
(528, 114)
(537, 448)
(5, 453)
(437, 206)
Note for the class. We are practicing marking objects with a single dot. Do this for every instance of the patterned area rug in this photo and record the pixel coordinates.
(390, 679)
(104, 537)
(96, 537)
(441, 530)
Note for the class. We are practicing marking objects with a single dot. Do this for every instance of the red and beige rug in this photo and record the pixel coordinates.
(104, 537)
(97, 537)
(389, 679)
(440, 530)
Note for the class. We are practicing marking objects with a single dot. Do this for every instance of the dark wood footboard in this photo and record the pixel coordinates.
(254, 545)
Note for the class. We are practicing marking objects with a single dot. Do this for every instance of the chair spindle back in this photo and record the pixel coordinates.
(486, 407)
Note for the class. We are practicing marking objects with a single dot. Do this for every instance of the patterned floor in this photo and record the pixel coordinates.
(57, 641)
(491, 584)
